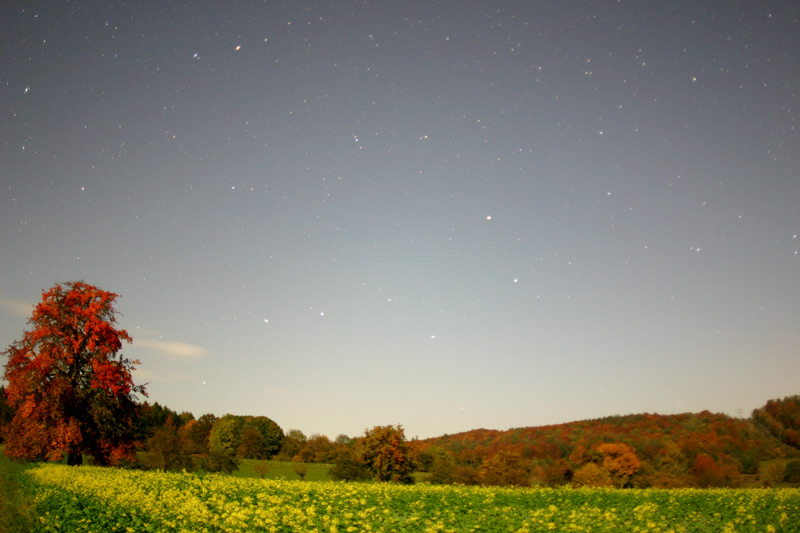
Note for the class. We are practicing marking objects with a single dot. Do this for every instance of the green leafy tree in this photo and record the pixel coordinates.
(271, 434)
(348, 466)
(443, 466)
(225, 436)
(71, 390)
(294, 442)
(223, 442)
(385, 452)
(219, 460)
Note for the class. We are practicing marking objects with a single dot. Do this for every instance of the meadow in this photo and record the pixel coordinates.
(15, 509)
(106, 499)
(280, 470)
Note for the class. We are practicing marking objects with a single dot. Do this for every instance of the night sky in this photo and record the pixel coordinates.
(445, 215)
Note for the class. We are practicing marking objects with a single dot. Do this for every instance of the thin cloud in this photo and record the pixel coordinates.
(174, 349)
(142, 375)
(17, 307)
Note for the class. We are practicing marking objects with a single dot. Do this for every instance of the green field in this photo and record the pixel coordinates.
(15, 509)
(106, 499)
(281, 470)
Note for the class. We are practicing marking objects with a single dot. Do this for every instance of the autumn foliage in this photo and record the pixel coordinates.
(71, 391)
(782, 419)
(647, 450)
(385, 453)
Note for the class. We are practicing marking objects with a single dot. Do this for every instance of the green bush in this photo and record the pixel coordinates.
(792, 472)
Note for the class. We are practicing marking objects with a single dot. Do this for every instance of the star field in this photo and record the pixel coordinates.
(447, 215)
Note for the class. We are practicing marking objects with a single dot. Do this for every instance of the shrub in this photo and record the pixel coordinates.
(792, 472)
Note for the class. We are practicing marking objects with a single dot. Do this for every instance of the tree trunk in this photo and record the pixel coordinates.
(74, 459)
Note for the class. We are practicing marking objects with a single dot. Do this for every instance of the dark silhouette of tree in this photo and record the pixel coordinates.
(149, 417)
(219, 460)
(6, 412)
(73, 393)
(348, 466)
(268, 429)
(253, 445)
(166, 451)
(197, 433)
(791, 473)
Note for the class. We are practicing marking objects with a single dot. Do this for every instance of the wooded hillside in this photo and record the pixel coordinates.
(703, 449)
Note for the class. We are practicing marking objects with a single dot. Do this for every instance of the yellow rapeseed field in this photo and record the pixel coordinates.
(105, 499)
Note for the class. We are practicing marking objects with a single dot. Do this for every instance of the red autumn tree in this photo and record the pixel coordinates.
(72, 391)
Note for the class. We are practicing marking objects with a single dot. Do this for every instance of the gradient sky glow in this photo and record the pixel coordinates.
(446, 215)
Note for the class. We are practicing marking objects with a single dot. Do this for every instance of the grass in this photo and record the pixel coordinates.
(281, 470)
(16, 513)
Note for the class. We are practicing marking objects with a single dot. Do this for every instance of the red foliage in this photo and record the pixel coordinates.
(636, 456)
(782, 419)
(72, 391)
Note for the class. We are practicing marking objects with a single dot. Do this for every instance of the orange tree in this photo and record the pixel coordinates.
(384, 451)
(72, 391)
(620, 461)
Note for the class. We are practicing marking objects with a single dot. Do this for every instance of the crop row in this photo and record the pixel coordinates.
(102, 499)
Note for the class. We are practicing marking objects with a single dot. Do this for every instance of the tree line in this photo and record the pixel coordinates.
(647, 450)
(71, 395)
(177, 441)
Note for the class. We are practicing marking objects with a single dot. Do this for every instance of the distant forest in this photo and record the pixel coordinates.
(645, 450)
